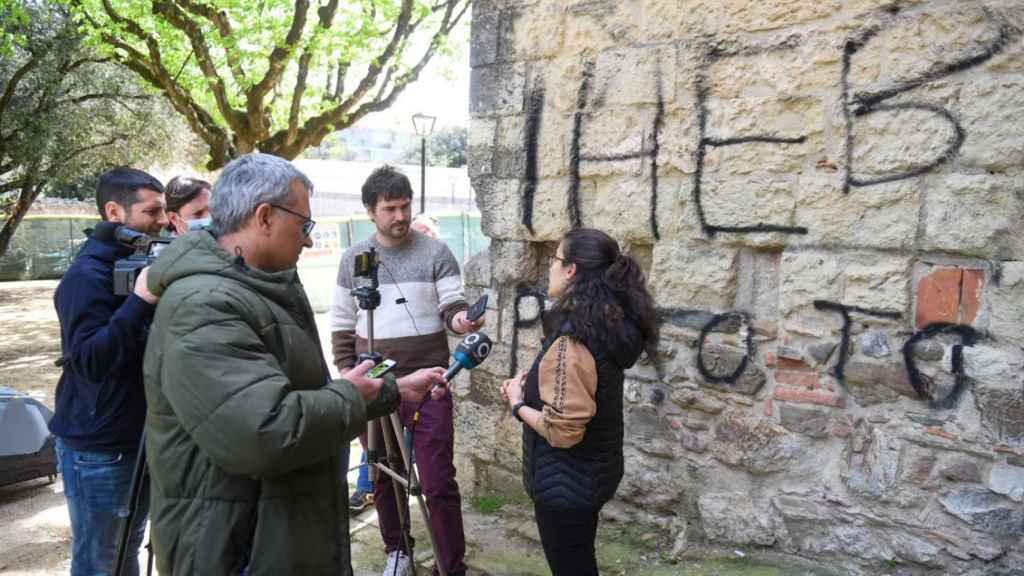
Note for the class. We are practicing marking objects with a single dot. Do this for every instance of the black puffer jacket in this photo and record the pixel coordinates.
(585, 476)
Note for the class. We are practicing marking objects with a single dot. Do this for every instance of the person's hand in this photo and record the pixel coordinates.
(512, 389)
(463, 326)
(141, 290)
(369, 388)
(416, 385)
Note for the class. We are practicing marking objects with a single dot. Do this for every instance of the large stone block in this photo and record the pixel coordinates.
(595, 25)
(806, 276)
(693, 275)
(513, 262)
(858, 279)
(483, 44)
(1002, 414)
(1008, 481)
(782, 117)
(882, 216)
(747, 201)
(873, 463)
(621, 207)
(755, 445)
(724, 361)
(532, 32)
(990, 115)
(734, 518)
(654, 483)
(500, 208)
(612, 138)
(497, 89)
(892, 142)
(790, 70)
(550, 208)
(813, 422)
(631, 76)
(873, 383)
(1005, 298)
(985, 511)
(975, 216)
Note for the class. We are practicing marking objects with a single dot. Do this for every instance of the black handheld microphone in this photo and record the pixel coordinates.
(473, 350)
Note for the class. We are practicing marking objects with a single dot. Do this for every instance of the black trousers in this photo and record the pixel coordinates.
(568, 540)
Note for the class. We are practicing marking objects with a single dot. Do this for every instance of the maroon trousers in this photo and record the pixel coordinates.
(433, 440)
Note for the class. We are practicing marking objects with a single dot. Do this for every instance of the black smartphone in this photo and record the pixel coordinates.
(476, 311)
(381, 369)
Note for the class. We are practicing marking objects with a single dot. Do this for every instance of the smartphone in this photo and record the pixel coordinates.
(381, 369)
(477, 309)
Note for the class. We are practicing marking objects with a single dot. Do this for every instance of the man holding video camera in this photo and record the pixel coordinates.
(421, 296)
(100, 405)
(245, 425)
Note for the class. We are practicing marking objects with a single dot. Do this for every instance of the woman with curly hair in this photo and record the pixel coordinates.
(570, 401)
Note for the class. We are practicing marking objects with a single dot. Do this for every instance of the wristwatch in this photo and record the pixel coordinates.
(515, 410)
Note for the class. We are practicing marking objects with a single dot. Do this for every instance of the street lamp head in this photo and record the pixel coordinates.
(423, 124)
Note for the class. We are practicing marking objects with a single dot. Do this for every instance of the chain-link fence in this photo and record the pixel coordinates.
(44, 246)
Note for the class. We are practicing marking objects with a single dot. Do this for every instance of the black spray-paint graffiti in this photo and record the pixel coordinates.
(733, 321)
(523, 292)
(968, 337)
(715, 54)
(534, 116)
(863, 104)
(844, 344)
(576, 157)
(855, 106)
(734, 376)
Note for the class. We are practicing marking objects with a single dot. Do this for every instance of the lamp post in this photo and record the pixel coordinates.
(424, 126)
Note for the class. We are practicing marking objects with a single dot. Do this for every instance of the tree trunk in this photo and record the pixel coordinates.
(29, 191)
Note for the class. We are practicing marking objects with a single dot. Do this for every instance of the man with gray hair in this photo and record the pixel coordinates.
(244, 424)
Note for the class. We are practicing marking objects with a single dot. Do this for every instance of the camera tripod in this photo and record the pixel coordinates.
(397, 452)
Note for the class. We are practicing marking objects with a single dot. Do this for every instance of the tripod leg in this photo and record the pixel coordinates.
(139, 478)
(414, 488)
(372, 453)
(401, 501)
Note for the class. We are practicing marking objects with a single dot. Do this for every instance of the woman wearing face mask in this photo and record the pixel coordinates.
(188, 201)
(570, 401)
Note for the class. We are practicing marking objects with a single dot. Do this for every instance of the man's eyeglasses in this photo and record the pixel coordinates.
(307, 224)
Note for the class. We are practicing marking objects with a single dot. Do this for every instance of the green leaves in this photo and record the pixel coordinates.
(266, 74)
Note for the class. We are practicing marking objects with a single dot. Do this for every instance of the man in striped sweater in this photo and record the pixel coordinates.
(421, 297)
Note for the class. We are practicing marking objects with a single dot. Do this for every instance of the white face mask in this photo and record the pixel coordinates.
(199, 223)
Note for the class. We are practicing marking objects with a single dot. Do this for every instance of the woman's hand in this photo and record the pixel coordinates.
(512, 389)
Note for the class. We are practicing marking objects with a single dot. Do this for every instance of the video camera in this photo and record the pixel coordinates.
(126, 270)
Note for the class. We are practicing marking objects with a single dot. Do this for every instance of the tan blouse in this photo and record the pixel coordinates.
(568, 384)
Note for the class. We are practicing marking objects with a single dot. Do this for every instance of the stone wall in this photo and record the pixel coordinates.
(828, 200)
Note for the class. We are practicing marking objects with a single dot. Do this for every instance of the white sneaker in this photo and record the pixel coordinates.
(398, 564)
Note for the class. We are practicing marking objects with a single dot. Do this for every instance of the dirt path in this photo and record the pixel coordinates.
(29, 338)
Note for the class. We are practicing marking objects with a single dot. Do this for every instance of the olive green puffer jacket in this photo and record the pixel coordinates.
(244, 427)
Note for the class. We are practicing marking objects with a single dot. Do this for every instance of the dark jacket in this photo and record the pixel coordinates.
(245, 428)
(100, 403)
(585, 476)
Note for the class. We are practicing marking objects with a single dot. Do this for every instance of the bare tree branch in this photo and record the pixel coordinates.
(223, 25)
(276, 65)
(177, 18)
(12, 84)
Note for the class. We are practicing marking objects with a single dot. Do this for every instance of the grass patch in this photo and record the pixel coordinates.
(489, 504)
